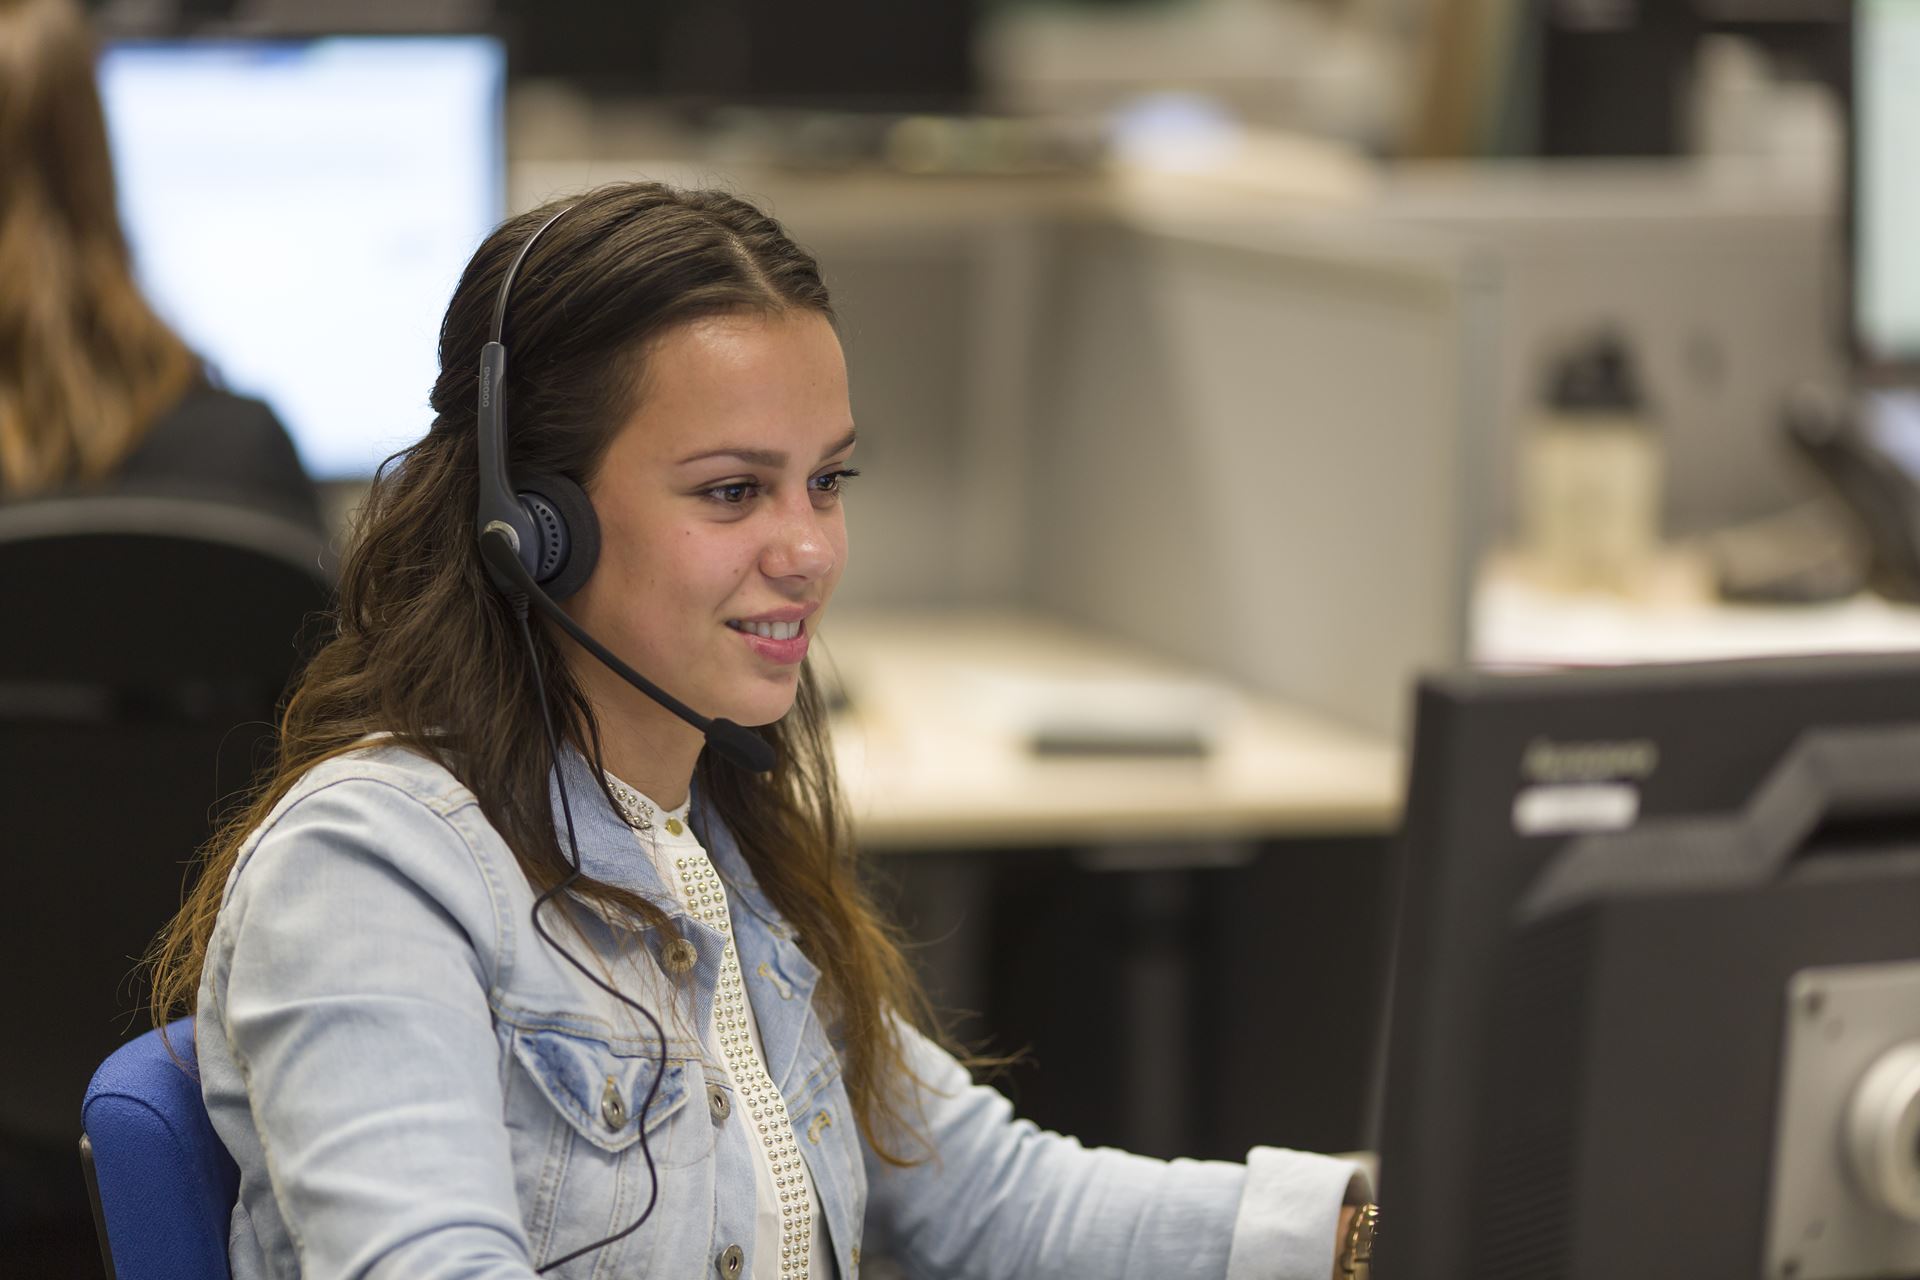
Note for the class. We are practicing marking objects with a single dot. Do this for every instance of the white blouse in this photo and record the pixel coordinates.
(788, 1226)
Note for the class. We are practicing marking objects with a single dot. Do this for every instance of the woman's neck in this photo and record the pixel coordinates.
(642, 743)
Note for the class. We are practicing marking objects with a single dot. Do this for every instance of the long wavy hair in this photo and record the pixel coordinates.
(426, 650)
(86, 366)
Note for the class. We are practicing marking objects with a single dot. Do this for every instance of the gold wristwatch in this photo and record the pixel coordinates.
(1356, 1251)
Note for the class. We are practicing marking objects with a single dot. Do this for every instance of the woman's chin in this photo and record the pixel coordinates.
(768, 707)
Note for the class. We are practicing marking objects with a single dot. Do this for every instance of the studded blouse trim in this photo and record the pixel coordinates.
(766, 1107)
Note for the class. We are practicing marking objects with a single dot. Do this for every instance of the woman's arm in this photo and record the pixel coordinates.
(349, 980)
(1002, 1197)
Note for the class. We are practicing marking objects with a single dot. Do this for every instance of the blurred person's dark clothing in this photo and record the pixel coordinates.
(225, 448)
(215, 446)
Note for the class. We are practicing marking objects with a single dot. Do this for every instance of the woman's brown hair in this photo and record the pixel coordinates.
(85, 364)
(426, 650)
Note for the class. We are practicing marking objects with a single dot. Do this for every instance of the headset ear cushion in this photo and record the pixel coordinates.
(569, 532)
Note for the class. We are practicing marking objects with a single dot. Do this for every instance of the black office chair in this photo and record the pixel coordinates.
(146, 643)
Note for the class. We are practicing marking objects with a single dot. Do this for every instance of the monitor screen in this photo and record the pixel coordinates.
(300, 210)
(1886, 183)
(1512, 776)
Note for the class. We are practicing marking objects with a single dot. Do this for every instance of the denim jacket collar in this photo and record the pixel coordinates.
(771, 962)
(608, 852)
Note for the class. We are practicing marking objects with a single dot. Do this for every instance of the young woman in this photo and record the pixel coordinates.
(95, 390)
(434, 1048)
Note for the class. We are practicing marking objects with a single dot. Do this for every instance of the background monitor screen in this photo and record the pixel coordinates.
(1886, 183)
(300, 210)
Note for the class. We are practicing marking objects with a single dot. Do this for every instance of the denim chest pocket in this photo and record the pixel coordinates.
(580, 1169)
(600, 1092)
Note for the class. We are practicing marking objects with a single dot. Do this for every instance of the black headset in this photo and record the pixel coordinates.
(549, 524)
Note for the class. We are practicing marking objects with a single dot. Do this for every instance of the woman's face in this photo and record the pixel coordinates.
(719, 505)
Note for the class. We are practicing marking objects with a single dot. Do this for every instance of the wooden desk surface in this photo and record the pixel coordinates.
(934, 748)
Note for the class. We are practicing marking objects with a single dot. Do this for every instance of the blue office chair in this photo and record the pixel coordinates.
(163, 1186)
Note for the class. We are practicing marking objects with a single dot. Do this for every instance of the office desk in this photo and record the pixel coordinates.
(934, 747)
(1129, 920)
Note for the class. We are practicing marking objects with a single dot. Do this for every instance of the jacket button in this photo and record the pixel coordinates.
(680, 956)
(730, 1261)
(718, 1103)
(613, 1109)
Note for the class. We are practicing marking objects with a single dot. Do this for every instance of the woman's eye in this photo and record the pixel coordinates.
(732, 494)
(833, 481)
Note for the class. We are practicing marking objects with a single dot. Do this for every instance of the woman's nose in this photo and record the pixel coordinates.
(801, 546)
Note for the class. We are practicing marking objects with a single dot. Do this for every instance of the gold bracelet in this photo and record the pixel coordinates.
(1356, 1251)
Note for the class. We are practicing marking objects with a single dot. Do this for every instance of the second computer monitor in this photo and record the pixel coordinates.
(1605, 881)
(300, 210)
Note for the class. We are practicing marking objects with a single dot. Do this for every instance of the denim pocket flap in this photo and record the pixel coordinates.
(599, 1092)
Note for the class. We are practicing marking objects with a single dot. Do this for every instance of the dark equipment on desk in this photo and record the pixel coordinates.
(1866, 448)
(1657, 987)
(1054, 744)
(1812, 553)
(1612, 78)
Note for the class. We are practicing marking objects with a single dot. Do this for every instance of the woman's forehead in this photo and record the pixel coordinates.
(742, 382)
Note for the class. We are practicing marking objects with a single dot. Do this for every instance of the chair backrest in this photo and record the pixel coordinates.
(164, 1186)
(147, 643)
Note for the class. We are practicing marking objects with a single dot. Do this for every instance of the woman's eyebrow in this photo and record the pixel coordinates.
(763, 457)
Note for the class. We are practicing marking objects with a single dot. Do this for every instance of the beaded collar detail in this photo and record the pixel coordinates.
(639, 812)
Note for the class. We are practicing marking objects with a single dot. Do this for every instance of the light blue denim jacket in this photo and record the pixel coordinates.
(416, 1086)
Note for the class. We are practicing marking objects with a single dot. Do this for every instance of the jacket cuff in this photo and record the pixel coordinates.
(1289, 1213)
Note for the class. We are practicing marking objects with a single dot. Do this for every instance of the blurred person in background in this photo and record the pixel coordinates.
(97, 393)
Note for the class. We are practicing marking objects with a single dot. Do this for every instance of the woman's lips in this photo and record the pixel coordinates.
(785, 652)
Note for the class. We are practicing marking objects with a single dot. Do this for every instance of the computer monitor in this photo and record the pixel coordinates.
(1610, 886)
(300, 211)
(1884, 199)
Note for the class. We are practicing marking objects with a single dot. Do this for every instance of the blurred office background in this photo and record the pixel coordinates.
(1220, 364)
